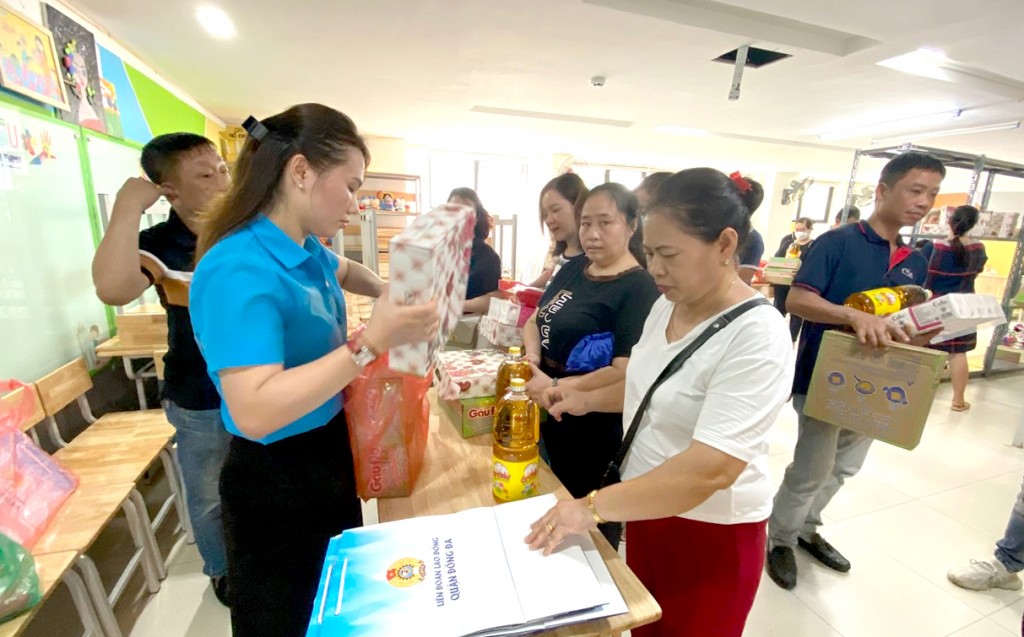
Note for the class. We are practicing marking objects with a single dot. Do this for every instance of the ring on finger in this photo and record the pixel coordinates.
(551, 529)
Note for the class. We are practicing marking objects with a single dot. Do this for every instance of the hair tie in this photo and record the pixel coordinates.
(740, 182)
(255, 128)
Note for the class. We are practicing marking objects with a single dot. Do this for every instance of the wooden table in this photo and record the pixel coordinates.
(50, 567)
(113, 348)
(456, 476)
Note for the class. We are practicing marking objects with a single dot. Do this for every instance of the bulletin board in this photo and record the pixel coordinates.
(49, 313)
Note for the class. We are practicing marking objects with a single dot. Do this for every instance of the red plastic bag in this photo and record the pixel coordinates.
(32, 484)
(388, 419)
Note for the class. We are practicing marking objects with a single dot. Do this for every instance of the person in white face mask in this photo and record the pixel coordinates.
(793, 245)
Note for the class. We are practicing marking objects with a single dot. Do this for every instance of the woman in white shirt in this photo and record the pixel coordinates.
(695, 489)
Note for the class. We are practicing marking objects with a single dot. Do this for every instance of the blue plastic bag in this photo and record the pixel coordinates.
(591, 353)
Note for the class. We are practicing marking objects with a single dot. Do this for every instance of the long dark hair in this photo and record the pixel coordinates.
(483, 220)
(963, 221)
(324, 136)
(571, 187)
(629, 206)
(703, 202)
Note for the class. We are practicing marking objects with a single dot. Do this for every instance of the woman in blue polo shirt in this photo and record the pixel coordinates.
(269, 316)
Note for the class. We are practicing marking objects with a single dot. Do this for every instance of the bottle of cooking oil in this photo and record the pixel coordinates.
(516, 459)
(514, 366)
(884, 301)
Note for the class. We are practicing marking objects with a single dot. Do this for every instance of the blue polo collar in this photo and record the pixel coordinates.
(280, 245)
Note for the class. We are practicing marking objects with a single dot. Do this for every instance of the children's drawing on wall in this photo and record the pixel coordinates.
(111, 114)
(81, 71)
(28, 61)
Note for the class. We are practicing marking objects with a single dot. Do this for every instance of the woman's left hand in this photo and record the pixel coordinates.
(538, 384)
(565, 519)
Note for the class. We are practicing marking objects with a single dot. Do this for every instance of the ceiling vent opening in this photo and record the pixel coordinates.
(756, 58)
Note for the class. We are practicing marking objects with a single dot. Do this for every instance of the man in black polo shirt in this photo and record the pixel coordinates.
(186, 169)
(849, 259)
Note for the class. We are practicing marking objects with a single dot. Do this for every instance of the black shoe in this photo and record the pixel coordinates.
(220, 589)
(782, 567)
(825, 553)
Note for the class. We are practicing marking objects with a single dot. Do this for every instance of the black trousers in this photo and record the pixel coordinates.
(580, 449)
(281, 503)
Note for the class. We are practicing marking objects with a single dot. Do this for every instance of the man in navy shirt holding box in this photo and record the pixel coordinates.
(853, 258)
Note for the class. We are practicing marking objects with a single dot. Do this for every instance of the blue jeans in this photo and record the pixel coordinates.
(1010, 549)
(202, 447)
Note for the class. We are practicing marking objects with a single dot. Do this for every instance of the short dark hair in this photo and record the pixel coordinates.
(652, 182)
(703, 202)
(807, 221)
(571, 187)
(852, 214)
(482, 229)
(161, 155)
(626, 203)
(901, 164)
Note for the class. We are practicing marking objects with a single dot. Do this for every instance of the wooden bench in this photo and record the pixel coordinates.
(52, 567)
(109, 458)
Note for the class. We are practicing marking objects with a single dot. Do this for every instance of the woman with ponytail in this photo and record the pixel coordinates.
(269, 316)
(953, 265)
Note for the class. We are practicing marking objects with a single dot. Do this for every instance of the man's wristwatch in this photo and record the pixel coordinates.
(362, 352)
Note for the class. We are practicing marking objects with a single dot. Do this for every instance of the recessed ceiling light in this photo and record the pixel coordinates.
(670, 129)
(215, 21)
(924, 62)
(892, 125)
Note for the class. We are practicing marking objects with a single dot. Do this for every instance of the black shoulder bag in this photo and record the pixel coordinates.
(612, 475)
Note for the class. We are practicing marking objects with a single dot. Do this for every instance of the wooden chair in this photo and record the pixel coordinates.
(112, 454)
(53, 568)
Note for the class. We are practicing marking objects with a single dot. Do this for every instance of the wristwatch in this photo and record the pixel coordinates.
(362, 353)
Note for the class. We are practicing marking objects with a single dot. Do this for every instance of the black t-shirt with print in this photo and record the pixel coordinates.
(186, 379)
(577, 305)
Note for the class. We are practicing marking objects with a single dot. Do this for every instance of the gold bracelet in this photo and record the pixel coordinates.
(593, 509)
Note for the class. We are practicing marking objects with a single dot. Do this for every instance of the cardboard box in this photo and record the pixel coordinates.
(472, 417)
(468, 374)
(499, 335)
(430, 260)
(509, 313)
(884, 394)
(956, 314)
(143, 326)
(780, 270)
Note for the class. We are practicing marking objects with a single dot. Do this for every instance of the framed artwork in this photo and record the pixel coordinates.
(28, 61)
(80, 70)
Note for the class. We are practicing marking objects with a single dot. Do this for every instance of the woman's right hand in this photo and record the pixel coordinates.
(393, 324)
(566, 400)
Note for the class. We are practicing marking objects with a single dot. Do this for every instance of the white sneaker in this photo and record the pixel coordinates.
(982, 575)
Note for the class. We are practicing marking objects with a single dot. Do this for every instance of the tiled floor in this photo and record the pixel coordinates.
(903, 522)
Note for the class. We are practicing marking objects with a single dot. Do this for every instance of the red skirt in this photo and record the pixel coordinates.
(703, 575)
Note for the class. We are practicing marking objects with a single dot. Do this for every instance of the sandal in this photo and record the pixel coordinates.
(961, 407)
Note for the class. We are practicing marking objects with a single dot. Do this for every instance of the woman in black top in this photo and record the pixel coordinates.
(793, 246)
(590, 317)
(484, 262)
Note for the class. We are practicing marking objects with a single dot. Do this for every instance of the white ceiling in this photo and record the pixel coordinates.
(415, 68)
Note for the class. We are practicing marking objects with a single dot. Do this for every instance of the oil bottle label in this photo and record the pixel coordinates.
(886, 301)
(515, 480)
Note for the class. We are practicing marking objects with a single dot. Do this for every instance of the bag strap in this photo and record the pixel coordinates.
(674, 366)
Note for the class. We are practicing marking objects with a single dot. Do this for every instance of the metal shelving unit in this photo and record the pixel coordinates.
(982, 168)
